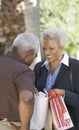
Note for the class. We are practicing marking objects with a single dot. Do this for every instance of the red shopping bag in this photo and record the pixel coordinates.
(60, 114)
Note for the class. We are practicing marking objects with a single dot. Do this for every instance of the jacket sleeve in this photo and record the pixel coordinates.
(72, 97)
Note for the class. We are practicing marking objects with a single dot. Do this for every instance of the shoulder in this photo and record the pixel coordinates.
(39, 64)
(74, 63)
(38, 67)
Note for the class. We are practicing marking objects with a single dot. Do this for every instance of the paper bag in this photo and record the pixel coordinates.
(60, 114)
(40, 111)
(48, 124)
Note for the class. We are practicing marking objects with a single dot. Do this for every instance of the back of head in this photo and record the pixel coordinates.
(55, 32)
(25, 42)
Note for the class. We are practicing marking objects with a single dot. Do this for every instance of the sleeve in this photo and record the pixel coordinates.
(72, 97)
(25, 80)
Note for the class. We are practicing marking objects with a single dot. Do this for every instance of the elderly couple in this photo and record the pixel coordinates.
(18, 81)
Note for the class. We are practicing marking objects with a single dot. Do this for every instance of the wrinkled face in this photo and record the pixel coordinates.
(28, 57)
(52, 49)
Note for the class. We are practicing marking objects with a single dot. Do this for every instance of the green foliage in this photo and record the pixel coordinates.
(64, 14)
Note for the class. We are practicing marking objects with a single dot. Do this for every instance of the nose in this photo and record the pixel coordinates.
(47, 52)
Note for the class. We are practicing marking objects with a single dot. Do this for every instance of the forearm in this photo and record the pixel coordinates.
(26, 110)
(71, 99)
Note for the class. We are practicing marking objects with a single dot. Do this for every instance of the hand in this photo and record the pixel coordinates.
(36, 91)
(56, 92)
(13, 126)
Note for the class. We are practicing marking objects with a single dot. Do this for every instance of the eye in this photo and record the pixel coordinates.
(48, 48)
(44, 48)
(51, 48)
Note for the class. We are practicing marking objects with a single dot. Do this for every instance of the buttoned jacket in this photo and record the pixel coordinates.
(63, 81)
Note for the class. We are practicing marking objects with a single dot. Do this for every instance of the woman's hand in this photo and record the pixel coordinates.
(56, 92)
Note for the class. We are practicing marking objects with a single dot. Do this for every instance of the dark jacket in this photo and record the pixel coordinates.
(63, 81)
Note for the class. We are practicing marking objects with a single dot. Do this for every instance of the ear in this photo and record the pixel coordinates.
(61, 49)
(31, 52)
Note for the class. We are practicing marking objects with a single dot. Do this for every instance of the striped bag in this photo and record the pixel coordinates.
(60, 114)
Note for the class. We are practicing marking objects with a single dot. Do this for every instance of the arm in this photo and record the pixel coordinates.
(26, 104)
(26, 108)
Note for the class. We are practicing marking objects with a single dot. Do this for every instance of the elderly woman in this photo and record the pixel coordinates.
(59, 73)
(17, 83)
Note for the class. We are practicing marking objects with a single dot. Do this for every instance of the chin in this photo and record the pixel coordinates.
(49, 60)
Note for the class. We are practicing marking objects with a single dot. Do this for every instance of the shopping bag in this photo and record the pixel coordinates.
(60, 114)
(48, 124)
(40, 111)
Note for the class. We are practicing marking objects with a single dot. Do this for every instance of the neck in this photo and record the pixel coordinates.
(53, 65)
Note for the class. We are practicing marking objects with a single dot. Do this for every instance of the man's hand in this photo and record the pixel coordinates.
(13, 126)
(36, 91)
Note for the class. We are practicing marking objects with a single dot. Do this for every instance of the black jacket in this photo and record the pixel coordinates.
(63, 81)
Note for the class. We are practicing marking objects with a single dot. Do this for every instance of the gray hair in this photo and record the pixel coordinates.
(55, 33)
(26, 42)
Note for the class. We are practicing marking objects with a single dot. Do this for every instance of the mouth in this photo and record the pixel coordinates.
(48, 57)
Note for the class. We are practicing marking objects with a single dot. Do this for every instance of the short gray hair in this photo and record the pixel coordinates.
(26, 42)
(55, 32)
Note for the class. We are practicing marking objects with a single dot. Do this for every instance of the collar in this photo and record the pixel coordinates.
(64, 61)
(14, 56)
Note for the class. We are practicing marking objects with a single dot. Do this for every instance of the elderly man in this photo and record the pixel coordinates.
(17, 83)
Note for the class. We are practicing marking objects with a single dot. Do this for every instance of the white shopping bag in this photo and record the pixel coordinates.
(40, 111)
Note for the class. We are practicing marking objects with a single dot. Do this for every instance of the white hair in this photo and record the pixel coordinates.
(26, 42)
(55, 32)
